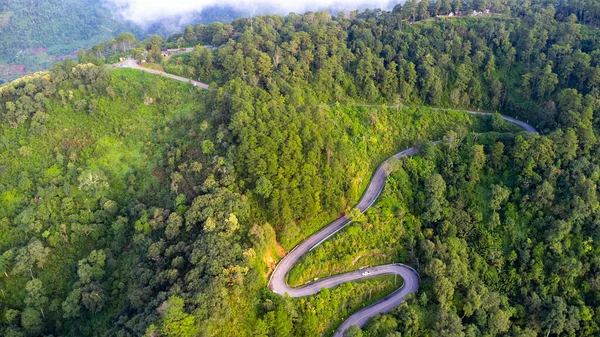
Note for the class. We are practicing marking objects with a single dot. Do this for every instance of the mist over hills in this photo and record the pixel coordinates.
(134, 205)
(145, 13)
(37, 34)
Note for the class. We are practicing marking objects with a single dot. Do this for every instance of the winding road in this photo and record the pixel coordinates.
(411, 278)
(277, 281)
(131, 63)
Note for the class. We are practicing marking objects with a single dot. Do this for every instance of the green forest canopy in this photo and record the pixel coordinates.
(35, 32)
(132, 205)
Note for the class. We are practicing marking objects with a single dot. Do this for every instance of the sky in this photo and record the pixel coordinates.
(145, 12)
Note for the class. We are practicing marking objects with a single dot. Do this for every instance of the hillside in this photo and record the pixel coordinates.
(132, 204)
(35, 34)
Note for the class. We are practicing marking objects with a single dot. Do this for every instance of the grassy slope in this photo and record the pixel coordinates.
(124, 139)
(378, 132)
(118, 139)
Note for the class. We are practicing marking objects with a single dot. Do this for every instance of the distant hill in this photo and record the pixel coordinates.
(36, 34)
(175, 24)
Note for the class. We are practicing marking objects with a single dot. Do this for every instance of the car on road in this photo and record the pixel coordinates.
(366, 273)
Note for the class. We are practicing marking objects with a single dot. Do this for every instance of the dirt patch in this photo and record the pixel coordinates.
(153, 66)
(19, 69)
(148, 100)
(60, 58)
(280, 250)
(8, 70)
(159, 174)
(11, 71)
(37, 51)
(75, 138)
(271, 260)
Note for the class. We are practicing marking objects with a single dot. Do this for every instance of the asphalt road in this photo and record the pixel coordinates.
(524, 125)
(277, 282)
(131, 63)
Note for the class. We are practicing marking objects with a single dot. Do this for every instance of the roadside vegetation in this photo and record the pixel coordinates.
(134, 205)
(35, 34)
(501, 228)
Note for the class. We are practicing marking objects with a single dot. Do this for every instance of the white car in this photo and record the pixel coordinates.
(366, 273)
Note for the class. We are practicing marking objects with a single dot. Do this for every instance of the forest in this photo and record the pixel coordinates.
(133, 205)
(36, 33)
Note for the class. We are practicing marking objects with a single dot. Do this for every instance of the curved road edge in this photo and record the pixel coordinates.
(131, 63)
(277, 282)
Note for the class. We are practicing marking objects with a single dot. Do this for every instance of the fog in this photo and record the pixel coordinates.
(144, 12)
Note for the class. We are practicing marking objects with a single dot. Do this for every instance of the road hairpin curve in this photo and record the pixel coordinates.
(277, 280)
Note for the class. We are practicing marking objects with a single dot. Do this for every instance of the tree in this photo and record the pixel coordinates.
(31, 321)
(567, 144)
(498, 196)
(554, 315)
(544, 194)
(477, 162)
(93, 180)
(189, 35)
(436, 188)
(175, 321)
(202, 61)
(498, 123)
(264, 187)
(499, 321)
(356, 215)
(207, 147)
(546, 82)
(71, 306)
(473, 302)
(310, 323)
(444, 291)
(354, 330)
(283, 324)
(383, 325)
(261, 329)
(448, 324)
(423, 10)
(125, 40)
(92, 297)
(174, 224)
(155, 55)
(35, 294)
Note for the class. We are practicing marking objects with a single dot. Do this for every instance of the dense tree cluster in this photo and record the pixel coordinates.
(517, 66)
(79, 181)
(134, 205)
(503, 231)
(536, 68)
(35, 31)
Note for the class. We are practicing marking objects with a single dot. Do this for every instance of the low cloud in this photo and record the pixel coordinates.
(145, 12)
